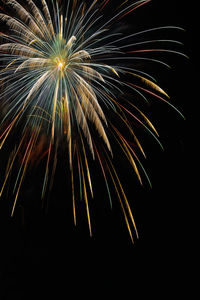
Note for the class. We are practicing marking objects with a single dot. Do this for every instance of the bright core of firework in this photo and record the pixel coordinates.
(66, 78)
(64, 51)
(60, 65)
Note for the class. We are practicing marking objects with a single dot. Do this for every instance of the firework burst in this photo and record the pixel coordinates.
(64, 70)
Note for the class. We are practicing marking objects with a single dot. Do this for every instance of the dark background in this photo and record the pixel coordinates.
(48, 256)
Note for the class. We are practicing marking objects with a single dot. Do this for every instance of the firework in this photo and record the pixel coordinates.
(65, 70)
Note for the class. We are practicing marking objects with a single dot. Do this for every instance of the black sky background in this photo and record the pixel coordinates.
(48, 256)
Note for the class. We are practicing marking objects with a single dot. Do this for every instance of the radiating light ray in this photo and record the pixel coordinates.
(150, 42)
(86, 197)
(151, 84)
(67, 85)
(104, 175)
(144, 32)
(140, 122)
(159, 97)
(139, 58)
(123, 144)
(104, 4)
(130, 8)
(158, 50)
(120, 199)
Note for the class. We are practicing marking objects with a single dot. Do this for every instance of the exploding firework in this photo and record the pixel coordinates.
(68, 84)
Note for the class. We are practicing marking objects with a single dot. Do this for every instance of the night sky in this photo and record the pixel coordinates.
(47, 256)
